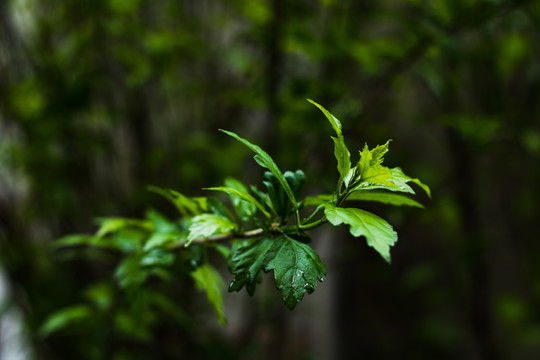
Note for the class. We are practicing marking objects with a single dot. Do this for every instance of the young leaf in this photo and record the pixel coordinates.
(369, 168)
(378, 233)
(264, 160)
(343, 157)
(384, 197)
(205, 225)
(296, 266)
(243, 202)
(207, 278)
(336, 124)
(341, 152)
(399, 178)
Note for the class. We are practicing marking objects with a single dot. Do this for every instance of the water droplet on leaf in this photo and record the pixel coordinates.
(309, 288)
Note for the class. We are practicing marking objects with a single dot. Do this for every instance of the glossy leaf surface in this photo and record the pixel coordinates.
(296, 266)
(278, 199)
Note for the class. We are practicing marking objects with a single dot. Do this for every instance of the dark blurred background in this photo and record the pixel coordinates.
(99, 98)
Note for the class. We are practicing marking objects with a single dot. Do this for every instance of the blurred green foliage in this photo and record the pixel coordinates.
(100, 98)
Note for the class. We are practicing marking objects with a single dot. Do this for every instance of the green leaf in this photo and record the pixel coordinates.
(205, 225)
(367, 186)
(243, 207)
(186, 206)
(336, 124)
(264, 160)
(366, 195)
(65, 317)
(369, 168)
(384, 197)
(343, 157)
(399, 178)
(209, 279)
(350, 177)
(129, 273)
(278, 199)
(378, 233)
(100, 295)
(341, 152)
(370, 174)
(111, 225)
(216, 207)
(264, 197)
(317, 200)
(296, 266)
(246, 263)
(75, 240)
(161, 223)
(243, 202)
(159, 239)
(157, 257)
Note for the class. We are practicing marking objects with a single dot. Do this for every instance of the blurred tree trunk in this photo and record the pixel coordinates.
(474, 247)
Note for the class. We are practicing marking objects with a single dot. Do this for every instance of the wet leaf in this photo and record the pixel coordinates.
(297, 267)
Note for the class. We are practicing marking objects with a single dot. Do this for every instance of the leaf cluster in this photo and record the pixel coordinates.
(266, 227)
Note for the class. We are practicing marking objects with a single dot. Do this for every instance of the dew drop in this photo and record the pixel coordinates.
(309, 288)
